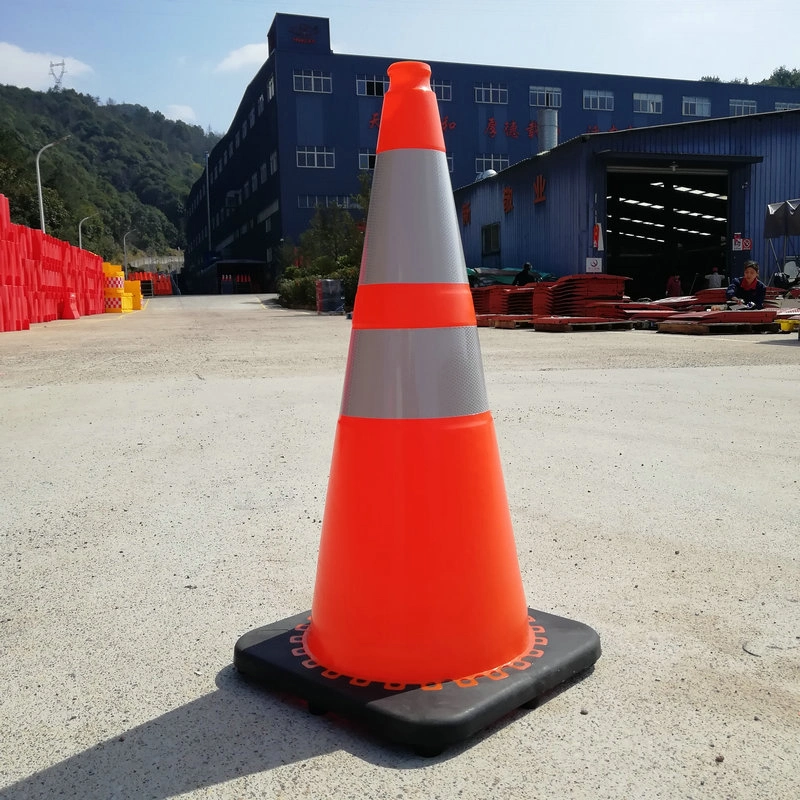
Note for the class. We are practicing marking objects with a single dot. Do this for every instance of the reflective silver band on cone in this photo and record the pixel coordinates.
(411, 204)
(415, 373)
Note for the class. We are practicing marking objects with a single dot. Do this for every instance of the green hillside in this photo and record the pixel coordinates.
(131, 167)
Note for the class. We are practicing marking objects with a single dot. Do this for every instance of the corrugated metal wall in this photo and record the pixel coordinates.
(556, 233)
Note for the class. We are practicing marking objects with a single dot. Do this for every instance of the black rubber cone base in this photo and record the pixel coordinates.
(430, 717)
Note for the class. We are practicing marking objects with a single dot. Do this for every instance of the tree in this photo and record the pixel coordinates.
(332, 241)
(782, 76)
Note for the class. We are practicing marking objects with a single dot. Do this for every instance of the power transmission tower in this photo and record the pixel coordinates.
(59, 76)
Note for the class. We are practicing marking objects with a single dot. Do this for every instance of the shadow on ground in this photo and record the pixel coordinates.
(235, 731)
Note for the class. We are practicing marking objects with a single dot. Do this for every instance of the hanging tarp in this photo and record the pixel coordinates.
(782, 219)
(794, 217)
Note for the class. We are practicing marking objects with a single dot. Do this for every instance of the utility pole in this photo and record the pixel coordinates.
(60, 76)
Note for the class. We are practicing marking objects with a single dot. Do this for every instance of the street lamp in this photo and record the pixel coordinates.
(39, 177)
(125, 251)
(80, 240)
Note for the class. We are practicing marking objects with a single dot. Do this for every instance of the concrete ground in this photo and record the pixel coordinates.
(161, 493)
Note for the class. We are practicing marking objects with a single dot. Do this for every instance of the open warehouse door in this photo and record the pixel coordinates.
(663, 221)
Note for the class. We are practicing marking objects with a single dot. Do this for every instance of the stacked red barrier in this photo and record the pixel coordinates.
(162, 284)
(43, 278)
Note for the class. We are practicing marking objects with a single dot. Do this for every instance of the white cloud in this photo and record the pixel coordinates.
(185, 113)
(32, 70)
(248, 56)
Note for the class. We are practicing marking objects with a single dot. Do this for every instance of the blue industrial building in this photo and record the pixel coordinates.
(641, 203)
(308, 123)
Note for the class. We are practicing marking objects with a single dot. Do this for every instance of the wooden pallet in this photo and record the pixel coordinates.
(705, 328)
(568, 327)
(513, 321)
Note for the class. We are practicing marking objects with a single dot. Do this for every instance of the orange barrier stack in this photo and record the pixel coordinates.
(419, 625)
(162, 284)
(114, 288)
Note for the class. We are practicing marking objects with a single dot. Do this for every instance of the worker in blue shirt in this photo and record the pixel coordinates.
(748, 290)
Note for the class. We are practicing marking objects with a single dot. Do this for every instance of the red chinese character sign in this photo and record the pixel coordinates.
(538, 189)
(508, 199)
(466, 213)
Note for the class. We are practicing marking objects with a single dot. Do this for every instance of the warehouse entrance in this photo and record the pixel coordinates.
(665, 220)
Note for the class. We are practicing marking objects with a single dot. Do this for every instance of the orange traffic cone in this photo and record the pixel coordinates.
(418, 593)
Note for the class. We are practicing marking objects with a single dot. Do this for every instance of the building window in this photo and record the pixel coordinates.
(270, 87)
(254, 181)
(325, 201)
(741, 108)
(236, 140)
(371, 85)
(366, 158)
(442, 89)
(244, 130)
(544, 96)
(598, 100)
(696, 107)
(263, 172)
(273, 162)
(490, 239)
(449, 161)
(246, 189)
(313, 80)
(648, 103)
(252, 117)
(490, 161)
(786, 106)
(316, 157)
(260, 104)
(230, 149)
(491, 93)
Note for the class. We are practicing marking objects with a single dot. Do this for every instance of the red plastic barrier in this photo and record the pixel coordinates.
(43, 278)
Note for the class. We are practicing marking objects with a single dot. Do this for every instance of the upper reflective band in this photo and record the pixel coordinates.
(422, 373)
(412, 227)
(413, 305)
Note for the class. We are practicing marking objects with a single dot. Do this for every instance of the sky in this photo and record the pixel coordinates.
(193, 59)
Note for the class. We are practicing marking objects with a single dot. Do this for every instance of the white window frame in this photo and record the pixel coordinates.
(326, 201)
(648, 103)
(598, 100)
(495, 161)
(312, 80)
(443, 90)
(270, 87)
(316, 157)
(742, 108)
(366, 158)
(696, 106)
(371, 85)
(786, 106)
(544, 96)
(273, 162)
(489, 92)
